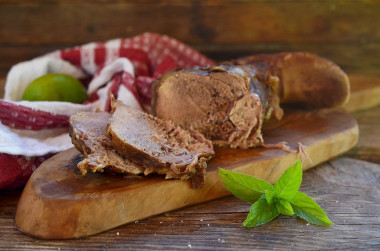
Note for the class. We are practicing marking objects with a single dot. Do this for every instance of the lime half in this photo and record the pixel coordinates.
(55, 87)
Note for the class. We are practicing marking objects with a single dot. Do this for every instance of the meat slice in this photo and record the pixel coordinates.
(226, 103)
(159, 145)
(88, 134)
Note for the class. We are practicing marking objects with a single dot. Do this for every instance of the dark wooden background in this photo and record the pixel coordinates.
(345, 31)
(341, 30)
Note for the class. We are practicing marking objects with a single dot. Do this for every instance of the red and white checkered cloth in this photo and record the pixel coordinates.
(31, 132)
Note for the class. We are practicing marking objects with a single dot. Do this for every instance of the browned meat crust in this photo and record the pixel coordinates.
(306, 80)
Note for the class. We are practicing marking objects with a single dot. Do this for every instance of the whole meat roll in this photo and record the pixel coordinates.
(306, 80)
(230, 102)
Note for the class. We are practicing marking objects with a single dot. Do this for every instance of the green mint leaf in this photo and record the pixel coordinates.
(306, 208)
(289, 183)
(270, 196)
(243, 186)
(260, 213)
(269, 201)
(284, 207)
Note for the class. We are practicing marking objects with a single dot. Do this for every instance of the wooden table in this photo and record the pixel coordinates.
(348, 188)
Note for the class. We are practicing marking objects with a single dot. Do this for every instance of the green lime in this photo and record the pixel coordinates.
(55, 87)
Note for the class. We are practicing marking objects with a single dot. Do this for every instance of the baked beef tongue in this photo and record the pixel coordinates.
(306, 80)
(228, 104)
(88, 134)
(159, 145)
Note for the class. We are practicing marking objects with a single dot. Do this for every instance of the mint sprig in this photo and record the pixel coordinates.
(271, 200)
(260, 213)
(243, 186)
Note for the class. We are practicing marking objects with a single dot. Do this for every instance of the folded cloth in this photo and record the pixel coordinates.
(31, 132)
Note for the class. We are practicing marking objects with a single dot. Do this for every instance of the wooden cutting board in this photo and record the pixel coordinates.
(59, 203)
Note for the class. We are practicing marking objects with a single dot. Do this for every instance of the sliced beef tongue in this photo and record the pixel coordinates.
(159, 145)
(88, 134)
(226, 103)
(133, 142)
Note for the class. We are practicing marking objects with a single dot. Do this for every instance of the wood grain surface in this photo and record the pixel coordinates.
(347, 189)
(59, 203)
(345, 31)
(217, 224)
(365, 92)
(342, 31)
(368, 147)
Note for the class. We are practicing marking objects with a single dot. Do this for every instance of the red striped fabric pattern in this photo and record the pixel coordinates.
(150, 54)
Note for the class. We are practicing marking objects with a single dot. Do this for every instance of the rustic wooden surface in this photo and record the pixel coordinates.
(342, 31)
(59, 203)
(345, 31)
(365, 92)
(368, 147)
(347, 189)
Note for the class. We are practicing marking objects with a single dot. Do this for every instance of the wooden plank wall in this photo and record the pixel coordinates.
(346, 31)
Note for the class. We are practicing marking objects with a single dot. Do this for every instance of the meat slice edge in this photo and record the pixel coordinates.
(88, 134)
(159, 145)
